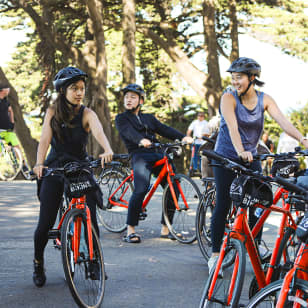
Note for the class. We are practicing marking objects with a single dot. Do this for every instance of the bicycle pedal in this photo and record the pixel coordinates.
(54, 234)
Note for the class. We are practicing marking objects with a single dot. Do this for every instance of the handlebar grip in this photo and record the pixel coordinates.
(214, 155)
(209, 139)
(120, 156)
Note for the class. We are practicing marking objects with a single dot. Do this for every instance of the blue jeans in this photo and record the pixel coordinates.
(196, 158)
(142, 163)
(223, 180)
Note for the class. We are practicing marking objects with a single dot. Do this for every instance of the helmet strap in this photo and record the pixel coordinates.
(249, 85)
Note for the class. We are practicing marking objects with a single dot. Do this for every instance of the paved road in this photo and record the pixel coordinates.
(156, 273)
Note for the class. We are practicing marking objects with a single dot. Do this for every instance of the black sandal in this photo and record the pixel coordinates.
(130, 238)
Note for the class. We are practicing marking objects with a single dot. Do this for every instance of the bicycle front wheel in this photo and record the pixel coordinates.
(181, 221)
(10, 163)
(268, 296)
(85, 277)
(226, 291)
(114, 213)
(203, 222)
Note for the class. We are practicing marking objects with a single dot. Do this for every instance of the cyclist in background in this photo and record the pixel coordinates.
(198, 128)
(7, 119)
(66, 128)
(137, 131)
(242, 119)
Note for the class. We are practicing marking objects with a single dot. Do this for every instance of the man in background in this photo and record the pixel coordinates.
(197, 129)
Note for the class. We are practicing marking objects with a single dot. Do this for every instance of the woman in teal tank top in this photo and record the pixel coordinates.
(240, 129)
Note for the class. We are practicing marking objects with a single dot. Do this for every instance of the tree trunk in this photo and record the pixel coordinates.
(98, 92)
(234, 31)
(129, 42)
(213, 84)
(22, 131)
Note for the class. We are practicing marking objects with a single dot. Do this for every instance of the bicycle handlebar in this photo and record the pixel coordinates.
(298, 151)
(231, 165)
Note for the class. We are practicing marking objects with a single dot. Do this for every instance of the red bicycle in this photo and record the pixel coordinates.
(226, 292)
(117, 187)
(292, 291)
(82, 254)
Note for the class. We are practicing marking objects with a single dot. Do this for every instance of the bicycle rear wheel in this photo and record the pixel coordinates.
(182, 222)
(223, 294)
(203, 222)
(268, 296)
(10, 163)
(85, 278)
(113, 217)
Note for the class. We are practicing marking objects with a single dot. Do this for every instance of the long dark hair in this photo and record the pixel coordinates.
(64, 114)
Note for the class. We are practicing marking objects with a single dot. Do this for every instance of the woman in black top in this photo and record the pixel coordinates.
(137, 128)
(66, 127)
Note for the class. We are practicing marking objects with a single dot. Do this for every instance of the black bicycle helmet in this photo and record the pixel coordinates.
(245, 65)
(68, 75)
(133, 87)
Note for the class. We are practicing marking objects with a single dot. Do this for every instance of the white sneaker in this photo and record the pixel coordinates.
(211, 263)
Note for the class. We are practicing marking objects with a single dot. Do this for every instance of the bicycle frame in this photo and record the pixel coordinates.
(240, 230)
(78, 203)
(166, 171)
(299, 270)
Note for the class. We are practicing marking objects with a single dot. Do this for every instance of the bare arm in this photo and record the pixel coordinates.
(274, 111)
(44, 143)
(92, 121)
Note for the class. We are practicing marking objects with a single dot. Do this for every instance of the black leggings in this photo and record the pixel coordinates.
(223, 180)
(50, 195)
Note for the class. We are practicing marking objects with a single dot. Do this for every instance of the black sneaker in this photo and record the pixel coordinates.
(39, 277)
(94, 269)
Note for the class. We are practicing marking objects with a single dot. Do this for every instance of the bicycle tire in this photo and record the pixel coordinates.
(10, 163)
(289, 247)
(85, 278)
(203, 222)
(113, 217)
(221, 289)
(271, 293)
(26, 171)
(181, 223)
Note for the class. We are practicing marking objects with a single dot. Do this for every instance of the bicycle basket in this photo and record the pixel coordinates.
(302, 229)
(247, 191)
(79, 183)
(284, 167)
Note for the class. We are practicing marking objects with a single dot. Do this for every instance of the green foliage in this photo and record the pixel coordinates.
(285, 26)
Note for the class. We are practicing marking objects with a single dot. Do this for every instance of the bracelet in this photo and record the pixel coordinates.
(302, 139)
(37, 165)
(238, 154)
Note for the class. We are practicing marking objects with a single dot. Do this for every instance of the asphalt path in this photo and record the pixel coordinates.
(157, 273)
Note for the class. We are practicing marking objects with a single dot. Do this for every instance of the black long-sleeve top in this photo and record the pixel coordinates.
(132, 129)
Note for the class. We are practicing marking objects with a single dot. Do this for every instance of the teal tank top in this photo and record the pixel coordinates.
(250, 126)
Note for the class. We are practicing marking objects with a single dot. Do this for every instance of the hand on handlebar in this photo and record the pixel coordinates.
(188, 139)
(246, 156)
(146, 143)
(38, 170)
(106, 158)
